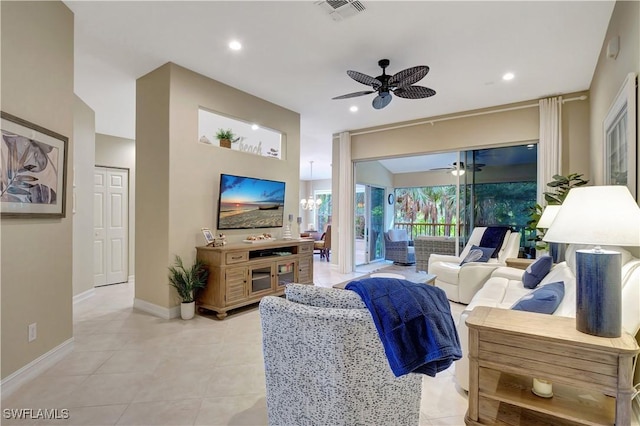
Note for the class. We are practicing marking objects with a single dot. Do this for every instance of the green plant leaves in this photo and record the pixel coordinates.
(563, 185)
(187, 281)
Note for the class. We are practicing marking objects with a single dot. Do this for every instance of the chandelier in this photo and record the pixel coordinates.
(310, 203)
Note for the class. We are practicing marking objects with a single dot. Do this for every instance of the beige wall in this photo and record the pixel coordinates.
(479, 131)
(37, 86)
(84, 149)
(113, 151)
(152, 187)
(178, 178)
(488, 130)
(610, 74)
(575, 136)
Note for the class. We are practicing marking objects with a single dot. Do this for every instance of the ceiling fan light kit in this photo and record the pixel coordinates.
(400, 84)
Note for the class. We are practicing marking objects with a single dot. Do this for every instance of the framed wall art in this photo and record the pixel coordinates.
(620, 138)
(33, 164)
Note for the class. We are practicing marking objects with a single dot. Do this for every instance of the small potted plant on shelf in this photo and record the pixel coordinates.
(187, 281)
(226, 137)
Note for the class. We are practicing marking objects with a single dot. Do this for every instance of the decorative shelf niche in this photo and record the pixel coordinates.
(249, 138)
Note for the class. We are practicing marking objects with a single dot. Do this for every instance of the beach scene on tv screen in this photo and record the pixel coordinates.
(250, 203)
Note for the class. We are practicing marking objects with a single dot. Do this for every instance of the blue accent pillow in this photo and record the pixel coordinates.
(543, 300)
(478, 254)
(537, 271)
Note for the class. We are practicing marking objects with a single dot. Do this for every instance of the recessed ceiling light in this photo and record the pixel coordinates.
(353, 108)
(235, 45)
(508, 76)
(530, 145)
(254, 127)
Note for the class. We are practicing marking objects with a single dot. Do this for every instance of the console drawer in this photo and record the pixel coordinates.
(236, 257)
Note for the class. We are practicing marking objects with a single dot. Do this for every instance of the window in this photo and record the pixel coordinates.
(323, 213)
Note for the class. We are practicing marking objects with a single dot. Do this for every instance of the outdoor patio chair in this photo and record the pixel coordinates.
(398, 248)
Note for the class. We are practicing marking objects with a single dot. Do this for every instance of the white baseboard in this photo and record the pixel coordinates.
(84, 295)
(159, 311)
(131, 278)
(36, 367)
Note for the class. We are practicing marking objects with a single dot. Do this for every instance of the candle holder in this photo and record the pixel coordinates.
(542, 388)
(287, 230)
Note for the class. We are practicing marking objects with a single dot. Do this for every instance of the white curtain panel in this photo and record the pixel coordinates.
(343, 203)
(550, 143)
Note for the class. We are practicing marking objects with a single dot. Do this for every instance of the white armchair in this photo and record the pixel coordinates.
(325, 363)
(460, 283)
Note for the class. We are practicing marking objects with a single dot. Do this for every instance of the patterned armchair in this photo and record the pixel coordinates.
(398, 248)
(325, 364)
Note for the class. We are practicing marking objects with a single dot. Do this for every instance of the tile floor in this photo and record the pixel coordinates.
(131, 368)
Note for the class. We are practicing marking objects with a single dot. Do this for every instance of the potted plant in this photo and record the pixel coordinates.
(561, 186)
(225, 137)
(187, 281)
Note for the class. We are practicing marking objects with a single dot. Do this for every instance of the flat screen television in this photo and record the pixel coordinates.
(247, 203)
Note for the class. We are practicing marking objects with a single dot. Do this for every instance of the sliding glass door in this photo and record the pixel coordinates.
(369, 224)
(459, 191)
(499, 188)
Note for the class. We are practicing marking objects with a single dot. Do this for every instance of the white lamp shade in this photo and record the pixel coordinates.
(548, 215)
(599, 215)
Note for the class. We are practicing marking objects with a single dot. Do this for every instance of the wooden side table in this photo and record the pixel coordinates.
(592, 376)
(519, 262)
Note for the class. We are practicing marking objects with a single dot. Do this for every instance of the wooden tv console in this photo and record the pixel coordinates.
(242, 273)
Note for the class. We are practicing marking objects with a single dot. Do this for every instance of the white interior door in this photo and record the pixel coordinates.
(110, 222)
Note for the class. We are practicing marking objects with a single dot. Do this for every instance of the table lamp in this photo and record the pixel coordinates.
(556, 250)
(598, 215)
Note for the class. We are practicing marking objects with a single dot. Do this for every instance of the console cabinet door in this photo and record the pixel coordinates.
(236, 285)
(261, 279)
(305, 270)
(287, 272)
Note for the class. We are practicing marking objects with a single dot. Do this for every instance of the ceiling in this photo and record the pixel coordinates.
(296, 55)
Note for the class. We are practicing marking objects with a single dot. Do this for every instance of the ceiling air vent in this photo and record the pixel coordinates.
(342, 9)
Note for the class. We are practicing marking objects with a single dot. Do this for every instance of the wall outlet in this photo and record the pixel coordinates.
(33, 332)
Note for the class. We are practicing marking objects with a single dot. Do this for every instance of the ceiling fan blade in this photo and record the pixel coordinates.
(442, 168)
(409, 76)
(414, 92)
(382, 100)
(354, 94)
(364, 79)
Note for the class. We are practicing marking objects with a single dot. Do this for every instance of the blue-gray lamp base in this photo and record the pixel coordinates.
(599, 293)
(557, 251)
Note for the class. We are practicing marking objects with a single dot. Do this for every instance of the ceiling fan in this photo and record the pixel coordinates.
(453, 168)
(400, 84)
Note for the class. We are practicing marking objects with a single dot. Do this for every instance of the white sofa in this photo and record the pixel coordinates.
(460, 283)
(505, 287)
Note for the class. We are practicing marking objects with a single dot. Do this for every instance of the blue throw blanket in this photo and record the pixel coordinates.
(493, 237)
(414, 323)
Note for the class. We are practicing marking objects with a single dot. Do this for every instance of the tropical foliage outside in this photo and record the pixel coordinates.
(431, 210)
(324, 211)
